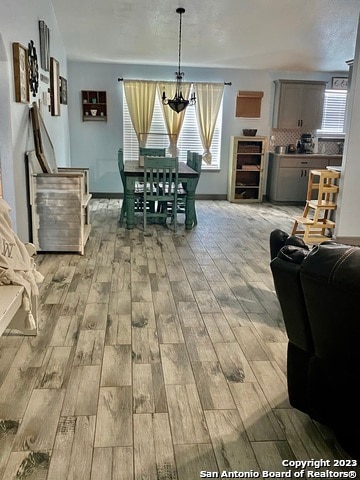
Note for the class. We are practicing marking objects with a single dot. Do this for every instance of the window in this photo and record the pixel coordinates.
(334, 112)
(189, 137)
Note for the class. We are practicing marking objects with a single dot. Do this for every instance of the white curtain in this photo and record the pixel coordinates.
(208, 101)
(173, 121)
(140, 98)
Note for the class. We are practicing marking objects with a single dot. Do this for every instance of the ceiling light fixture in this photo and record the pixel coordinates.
(179, 103)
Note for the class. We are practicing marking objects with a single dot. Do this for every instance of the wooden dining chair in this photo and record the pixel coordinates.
(139, 191)
(152, 152)
(194, 161)
(161, 180)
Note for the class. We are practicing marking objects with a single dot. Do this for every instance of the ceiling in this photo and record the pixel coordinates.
(298, 35)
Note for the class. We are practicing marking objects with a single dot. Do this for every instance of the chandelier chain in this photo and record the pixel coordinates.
(178, 103)
(180, 41)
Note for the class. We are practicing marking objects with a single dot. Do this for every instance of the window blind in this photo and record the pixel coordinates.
(189, 137)
(334, 112)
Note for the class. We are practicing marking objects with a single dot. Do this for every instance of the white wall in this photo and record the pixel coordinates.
(95, 144)
(19, 23)
(347, 216)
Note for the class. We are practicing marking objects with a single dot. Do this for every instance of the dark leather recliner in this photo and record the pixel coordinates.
(319, 295)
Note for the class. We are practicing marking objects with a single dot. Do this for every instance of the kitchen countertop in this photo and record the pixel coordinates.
(335, 169)
(312, 155)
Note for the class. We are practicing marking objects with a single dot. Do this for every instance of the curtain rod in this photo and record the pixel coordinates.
(120, 79)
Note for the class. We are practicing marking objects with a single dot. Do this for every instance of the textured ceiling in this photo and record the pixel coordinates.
(297, 35)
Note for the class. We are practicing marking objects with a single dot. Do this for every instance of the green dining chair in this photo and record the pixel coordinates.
(139, 191)
(194, 160)
(161, 180)
(152, 152)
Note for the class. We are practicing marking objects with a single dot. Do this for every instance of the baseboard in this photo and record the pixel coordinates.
(106, 195)
(347, 240)
(209, 196)
(200, 196)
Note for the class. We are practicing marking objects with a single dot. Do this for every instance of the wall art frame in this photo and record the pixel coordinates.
(44, 45)
(339, 83)
(33, 69)
(21, 73)
(54, 87)
(63, 91)
(44, 148)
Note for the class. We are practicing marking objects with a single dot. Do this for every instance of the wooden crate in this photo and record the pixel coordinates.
(59, 209)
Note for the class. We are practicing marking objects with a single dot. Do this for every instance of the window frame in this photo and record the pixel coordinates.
(330, 103)
(158, 136)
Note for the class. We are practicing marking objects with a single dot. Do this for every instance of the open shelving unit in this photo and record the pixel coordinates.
(247, 169)
(93, 101)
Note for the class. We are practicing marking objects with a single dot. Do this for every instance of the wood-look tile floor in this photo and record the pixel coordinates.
(159, 356)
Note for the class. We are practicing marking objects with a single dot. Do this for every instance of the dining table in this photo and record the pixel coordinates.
(134, 173)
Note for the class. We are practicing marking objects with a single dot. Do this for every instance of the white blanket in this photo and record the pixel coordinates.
(17, 267)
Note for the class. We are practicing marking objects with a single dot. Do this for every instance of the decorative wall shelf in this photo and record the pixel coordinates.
(93, 106)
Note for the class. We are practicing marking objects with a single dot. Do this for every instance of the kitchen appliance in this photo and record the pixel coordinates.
(306, 144)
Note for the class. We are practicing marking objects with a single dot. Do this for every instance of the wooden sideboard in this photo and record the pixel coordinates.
(59, 205)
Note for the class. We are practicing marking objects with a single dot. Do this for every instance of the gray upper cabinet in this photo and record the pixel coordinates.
(298, 104)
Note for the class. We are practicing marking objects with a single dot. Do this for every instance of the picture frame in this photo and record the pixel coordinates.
(63, 91)
(54, 87)
(339, 83)
(33, 69)
(44, 148)
(21, 73)
(44, 45)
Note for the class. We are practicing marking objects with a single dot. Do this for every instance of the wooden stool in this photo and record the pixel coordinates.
(320, 200)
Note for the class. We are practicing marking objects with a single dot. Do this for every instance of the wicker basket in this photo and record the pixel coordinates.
(249, 132)
(249, 148)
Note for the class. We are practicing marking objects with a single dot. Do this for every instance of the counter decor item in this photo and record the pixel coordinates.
(93, 112)
(291, 148)
(281, 149)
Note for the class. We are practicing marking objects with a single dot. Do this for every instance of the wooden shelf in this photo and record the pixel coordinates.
(93, 101)
(247, 166)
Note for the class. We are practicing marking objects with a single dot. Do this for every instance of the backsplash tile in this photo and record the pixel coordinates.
(284, 136)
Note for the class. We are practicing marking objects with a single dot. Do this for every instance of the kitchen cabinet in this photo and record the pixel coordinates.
(298, 104)
(288, 176)
(246, 169)
(93, 105)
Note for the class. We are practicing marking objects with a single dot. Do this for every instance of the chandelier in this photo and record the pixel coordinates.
(178, 103)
